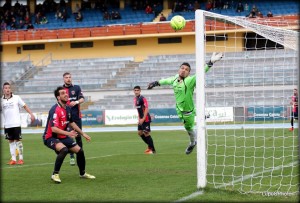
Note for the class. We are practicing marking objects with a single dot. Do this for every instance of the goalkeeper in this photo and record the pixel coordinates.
(184, 85)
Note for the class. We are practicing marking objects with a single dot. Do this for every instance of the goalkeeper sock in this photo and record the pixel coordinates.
(19, 146)
(193, 136)
(292, 122)
(60, 159)
(12, 148)
(81, 162)
(150, 141)
(144, 139)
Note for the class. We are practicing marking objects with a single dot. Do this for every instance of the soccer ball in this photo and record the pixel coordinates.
(177, 22)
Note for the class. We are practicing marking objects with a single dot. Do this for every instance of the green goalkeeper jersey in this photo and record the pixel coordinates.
(183, 90)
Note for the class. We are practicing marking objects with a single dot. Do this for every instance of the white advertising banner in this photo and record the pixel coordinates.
(219, 114)
(121, 117)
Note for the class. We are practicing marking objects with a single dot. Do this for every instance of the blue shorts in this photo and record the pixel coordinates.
(145, 127)
(68, 142)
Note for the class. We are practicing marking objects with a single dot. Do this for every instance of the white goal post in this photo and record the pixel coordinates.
(245, 145)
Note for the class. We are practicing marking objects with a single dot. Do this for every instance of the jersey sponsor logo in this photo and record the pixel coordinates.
(138, 107)
(54, 116)
(72, 92)
(63, 114)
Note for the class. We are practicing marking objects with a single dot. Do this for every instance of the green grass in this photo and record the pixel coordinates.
(124, 173)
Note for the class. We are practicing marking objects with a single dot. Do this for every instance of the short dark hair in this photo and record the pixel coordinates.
(6, 83)
(137, 87)
(56, 92)
(186, 64)
(66, 73)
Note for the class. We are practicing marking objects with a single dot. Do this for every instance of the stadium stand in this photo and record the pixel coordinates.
(94, 17)
(122, 74)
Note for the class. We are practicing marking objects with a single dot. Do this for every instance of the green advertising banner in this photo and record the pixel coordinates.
(92, 117)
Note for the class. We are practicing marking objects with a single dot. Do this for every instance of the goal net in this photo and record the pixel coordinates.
(245, 144)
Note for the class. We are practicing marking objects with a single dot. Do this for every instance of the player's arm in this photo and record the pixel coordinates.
(214, 58)
(57, 130)
(77, 129)
(166, 81)
(30, 113)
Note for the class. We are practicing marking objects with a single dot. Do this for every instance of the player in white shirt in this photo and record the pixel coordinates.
(10, 107)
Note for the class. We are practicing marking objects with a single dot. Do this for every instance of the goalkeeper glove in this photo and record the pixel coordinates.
(153, 84)
(214, 58)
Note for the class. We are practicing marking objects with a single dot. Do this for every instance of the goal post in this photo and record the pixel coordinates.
(245, 145)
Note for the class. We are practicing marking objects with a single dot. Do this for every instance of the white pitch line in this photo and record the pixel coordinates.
(197, 193)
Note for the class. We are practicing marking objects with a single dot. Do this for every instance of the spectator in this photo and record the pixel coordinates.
(208, 6)
(251, 15)
(259, 14)
(79, 17)
(246, 7)
(13, 24)
(106, 16)
(30, 26)
(44, 20)
(3, 25)
(190, 7)
(196, 5)
(77, 9)
(240, 7)
(27, 18)
(162, 17)
(116, 15)
(226, 5)
(64, 15)
(21, 24)
(270, 14)
(148, 10)
(38, 18)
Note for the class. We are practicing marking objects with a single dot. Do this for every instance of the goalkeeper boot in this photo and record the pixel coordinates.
(291, 129)
(190, 148)
(87, 176)
(55, 178)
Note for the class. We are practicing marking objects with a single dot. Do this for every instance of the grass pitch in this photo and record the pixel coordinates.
(123, 172)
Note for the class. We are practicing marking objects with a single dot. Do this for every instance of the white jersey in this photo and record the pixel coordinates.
(11, 111)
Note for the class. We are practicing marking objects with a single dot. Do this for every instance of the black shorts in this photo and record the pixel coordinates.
(295, 115)
(145, 127)
(13, 133)
(68, 142)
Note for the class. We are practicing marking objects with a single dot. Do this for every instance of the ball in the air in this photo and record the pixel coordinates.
(177, 22)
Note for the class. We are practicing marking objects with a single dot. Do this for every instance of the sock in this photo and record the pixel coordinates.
(72, 155)
(12, 149)
(292, 122)
(19, 146)
(193, 136)
(81, 162)
(60, 159)
(150, 141)
(144, 139)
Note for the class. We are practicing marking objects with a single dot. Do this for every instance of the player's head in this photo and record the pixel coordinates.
(137, 90)
(61, 94)
(295, 91)
(67, 78)
(6, 89)
(184, 70)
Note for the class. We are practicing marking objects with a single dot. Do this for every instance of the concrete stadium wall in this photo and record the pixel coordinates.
(104, 48)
